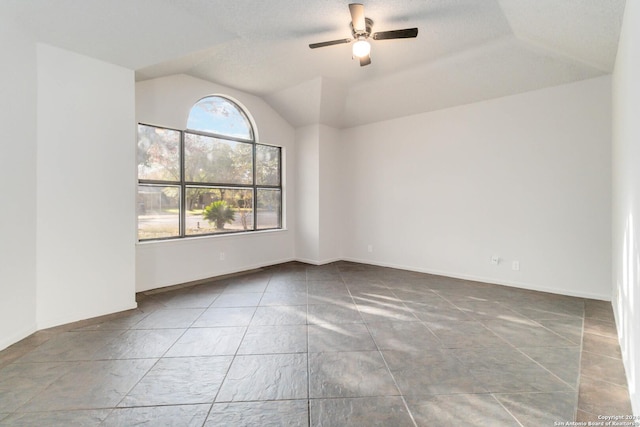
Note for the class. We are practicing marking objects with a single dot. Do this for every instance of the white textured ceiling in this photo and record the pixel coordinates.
(466, 50)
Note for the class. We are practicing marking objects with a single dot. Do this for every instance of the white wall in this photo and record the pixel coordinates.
(166, 102)
(18, 175)
(525, 177)
(319, 194)
(331, 208)
(626, 196)
(308, 194)
(85, 187)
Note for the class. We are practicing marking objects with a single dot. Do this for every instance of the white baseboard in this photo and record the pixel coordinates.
(490, 280)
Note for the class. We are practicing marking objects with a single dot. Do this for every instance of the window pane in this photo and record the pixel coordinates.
(220, 116)
(158, 153)
(217, 161)
(218, 210)
(158, 211)
(267, 165)
(269, 210)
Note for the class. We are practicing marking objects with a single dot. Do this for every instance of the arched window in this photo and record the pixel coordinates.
(211, 178)
(220, 116)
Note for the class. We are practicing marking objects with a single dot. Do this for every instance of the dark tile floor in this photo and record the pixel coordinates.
(338, 345)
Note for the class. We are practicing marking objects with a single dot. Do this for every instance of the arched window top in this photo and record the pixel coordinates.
(220, 116)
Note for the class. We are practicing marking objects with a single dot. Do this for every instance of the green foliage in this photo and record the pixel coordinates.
(219, 213)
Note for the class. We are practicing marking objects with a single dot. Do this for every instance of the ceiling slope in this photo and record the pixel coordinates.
(466, 50)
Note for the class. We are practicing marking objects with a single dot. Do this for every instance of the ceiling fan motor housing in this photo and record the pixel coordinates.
(366, 33)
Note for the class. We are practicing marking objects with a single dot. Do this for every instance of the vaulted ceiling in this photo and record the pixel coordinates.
(466, 50)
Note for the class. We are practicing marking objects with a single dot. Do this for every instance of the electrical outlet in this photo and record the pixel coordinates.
(515, 265)
(222, 256)
(370, 248)
(495, 260)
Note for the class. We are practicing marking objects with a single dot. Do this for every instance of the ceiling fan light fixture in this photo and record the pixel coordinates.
(361, 48)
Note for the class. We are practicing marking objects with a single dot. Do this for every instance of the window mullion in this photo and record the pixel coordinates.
(255, 191)
(183, 190)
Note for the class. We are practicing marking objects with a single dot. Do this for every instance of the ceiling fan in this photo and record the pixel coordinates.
(361, 32)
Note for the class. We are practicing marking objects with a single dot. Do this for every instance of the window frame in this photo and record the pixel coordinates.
(184, 185)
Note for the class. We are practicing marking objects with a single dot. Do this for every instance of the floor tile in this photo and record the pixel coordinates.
(569, 328)
(406, 336)
(333, 313)
(503, 371)
(327, 287)
(274, 339)
(71, 346)
(600, 344)
(159, 416)
(489, 310)
(284, 298)
(437, 311)
(550, 309)
(88, 385)
(265, 377)
(526, 334)
(464, 334)
(340, 337)
(329, 298)
(283, 285)
(84, 418)
(601, 397)
(469, 410)
(171, 318)
(290, 413)
(323, 275)
(176, 381)
(16, 351)
(149, 303)
(422, 296)
(585, 417)
(424, 373)
(249, 285)
(349, 374)
(564, 362)
(356, 412)
(218, 317)
(214, 288)
(280, 315)
(19, 383)
(598, 310)
(368, 288)
(247, 299)
(385, 312)
(600, 327)
(190, 299)
(140, 344)
(121, 321)
(208, 342)
(540, 409)
(605, 368)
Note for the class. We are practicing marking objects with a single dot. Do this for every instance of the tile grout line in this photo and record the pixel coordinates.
(395, 382)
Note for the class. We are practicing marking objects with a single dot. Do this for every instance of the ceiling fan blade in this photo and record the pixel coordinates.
(329, 43)
(357, 17)
(407, 33)
(365, 60)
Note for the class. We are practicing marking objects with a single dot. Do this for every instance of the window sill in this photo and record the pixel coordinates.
(186, 240)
